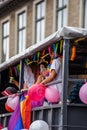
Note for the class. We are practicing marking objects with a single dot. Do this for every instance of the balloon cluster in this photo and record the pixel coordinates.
(38, 92)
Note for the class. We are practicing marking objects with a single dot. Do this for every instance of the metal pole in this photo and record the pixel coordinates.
(21, 78)
(0, 78)
(65, 84)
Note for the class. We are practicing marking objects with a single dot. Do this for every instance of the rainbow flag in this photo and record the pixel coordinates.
(15, 122)
(25, 109)
(21, 117)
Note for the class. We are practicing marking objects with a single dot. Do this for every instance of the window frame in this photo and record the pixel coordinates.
(24, 9)
(84, 13)
(5, 38)
(21, 30)
(58, 9)
(35, 3)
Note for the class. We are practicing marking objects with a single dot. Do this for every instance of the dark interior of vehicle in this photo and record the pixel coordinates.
(79, 64)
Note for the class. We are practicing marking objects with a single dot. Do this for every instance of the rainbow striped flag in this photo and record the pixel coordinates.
(21, 117)
(25, 109)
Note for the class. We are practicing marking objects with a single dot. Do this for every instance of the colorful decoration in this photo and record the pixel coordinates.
(80, 39)
(73, 56)
(25, 109)
(54, 48)
(27, 61)
(43, 52)
(38, 55)
(48, 70)
(83, 93)
(41, 55)
(44, 56)
(15, 121)
(36, 92)
(39, 125)
(12, 103)
(18, 69)
(34, 57)
(61, 46)
(52, 94)
(49, 49)
(21, 117)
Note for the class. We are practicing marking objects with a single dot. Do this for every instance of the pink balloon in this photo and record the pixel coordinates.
(37, 92)
(83, 93)
(12, 103)
(52, 94)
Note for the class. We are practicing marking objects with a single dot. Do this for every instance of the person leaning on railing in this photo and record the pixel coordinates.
(55, 72)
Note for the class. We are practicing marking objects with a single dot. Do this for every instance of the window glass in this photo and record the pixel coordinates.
(7, 29)
(20, 41)
(38, 11)
(59, 3)
(40, 22)
(85, 16)
(65, 17)
(24, 19)
(59, 19)
(64, 2)
(20, 21)
(61, 13)
(5, 41)
(21, 31)
(43, 9)
(37, 33)
(42, 25)
(24, 37)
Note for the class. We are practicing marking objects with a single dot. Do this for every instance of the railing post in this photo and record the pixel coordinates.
(65, 84)
(21, 77)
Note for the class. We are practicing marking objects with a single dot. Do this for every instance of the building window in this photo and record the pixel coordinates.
(40, 21)
(61, 13)
(85, 14)
(21, 32)
(5, 41)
